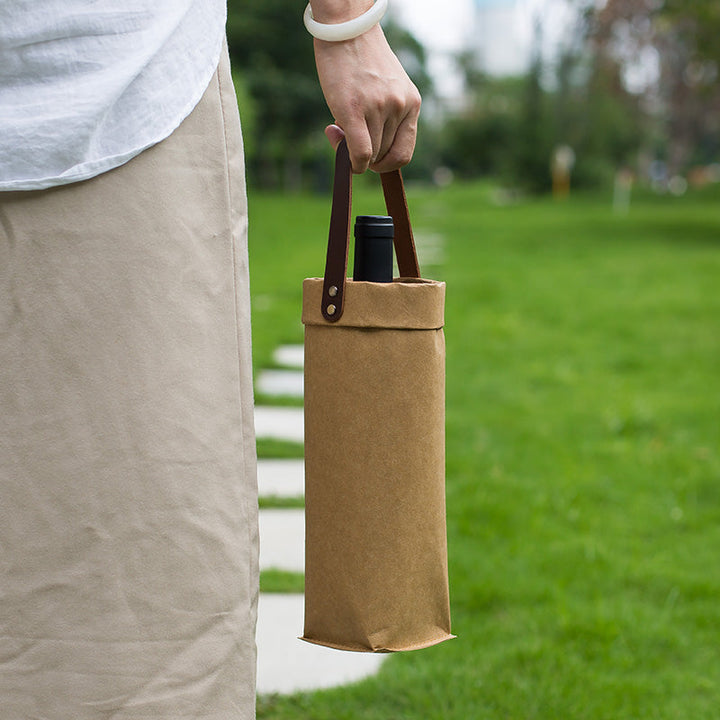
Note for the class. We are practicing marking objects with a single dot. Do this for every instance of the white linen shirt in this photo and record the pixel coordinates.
(86, 85)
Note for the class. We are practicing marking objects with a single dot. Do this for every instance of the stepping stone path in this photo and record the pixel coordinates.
(281, 383)
(286, 664)
(280, 423)
(281, 478)
(281, 535)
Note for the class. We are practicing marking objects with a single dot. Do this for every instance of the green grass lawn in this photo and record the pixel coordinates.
(583, 454)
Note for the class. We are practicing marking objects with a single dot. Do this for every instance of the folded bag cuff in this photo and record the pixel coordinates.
(404, 304)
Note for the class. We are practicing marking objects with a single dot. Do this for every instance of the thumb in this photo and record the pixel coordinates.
(334, 134)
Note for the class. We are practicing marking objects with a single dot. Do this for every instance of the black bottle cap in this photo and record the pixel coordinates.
(374, 226)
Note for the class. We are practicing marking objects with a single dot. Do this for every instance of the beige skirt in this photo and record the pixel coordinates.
(128, 511)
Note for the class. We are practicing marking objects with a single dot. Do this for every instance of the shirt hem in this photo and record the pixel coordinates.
(87, 171)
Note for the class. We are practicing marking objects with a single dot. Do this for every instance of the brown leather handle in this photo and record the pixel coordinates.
(333, 297)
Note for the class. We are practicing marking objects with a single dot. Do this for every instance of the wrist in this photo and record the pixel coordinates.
(337, 11)
(349, 29)
(357, 44)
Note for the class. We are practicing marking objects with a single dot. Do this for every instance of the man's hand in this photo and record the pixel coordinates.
(373, 101)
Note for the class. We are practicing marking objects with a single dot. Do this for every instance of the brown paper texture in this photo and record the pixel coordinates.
(376, 549)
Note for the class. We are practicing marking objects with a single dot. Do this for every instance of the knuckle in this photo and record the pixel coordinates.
(403, 153)
(361, 158)
(393, 160)
(396, 103)
(416, 101)
(363, 154)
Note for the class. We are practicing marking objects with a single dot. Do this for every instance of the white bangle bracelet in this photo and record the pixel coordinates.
(346, 30)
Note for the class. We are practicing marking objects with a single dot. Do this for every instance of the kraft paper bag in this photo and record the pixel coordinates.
(376, 575)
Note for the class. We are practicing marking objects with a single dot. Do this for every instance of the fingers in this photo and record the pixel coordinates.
(359, 160)
(334, 135)
(360, 151)
(383, 142)
(396, 109)
(401, 146)
(360, 144)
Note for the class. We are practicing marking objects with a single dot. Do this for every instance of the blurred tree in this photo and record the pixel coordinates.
(690, 56)
(596, 115)
(533, 144)
(698, 21)
(674, 44)
(272, 53)
(510, 127)
(478, 139)
(636, 78)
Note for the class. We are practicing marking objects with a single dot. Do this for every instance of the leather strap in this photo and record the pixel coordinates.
(397, 208)
(333, 296)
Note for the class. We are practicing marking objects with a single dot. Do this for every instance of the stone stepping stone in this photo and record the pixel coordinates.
(280, 423)
(281, 478)
(282, 539)
(286, 664)
(278, 383)
(291, 356)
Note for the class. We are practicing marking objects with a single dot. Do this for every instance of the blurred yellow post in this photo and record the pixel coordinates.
(563, 160)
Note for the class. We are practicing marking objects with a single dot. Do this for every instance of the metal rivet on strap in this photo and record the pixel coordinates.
(332, 291)
(330, 309)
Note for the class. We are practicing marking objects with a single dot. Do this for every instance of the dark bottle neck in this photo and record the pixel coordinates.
(373, 248)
